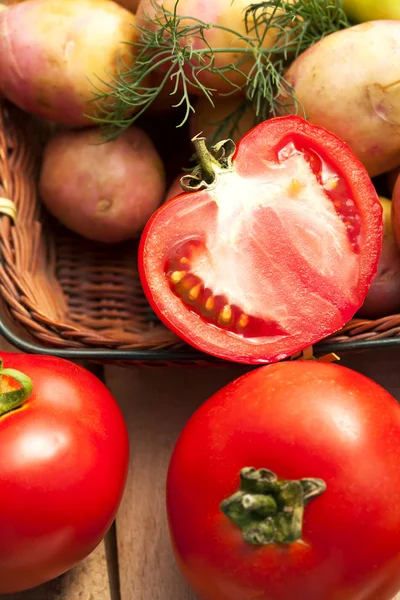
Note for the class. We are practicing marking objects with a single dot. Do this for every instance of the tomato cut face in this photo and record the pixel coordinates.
(276, 254)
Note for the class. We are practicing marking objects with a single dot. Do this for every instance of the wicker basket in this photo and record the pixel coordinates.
(75, 298)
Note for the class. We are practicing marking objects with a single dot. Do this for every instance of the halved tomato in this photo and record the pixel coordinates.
(274, 249)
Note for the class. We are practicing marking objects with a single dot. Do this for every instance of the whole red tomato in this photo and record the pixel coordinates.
(285, 227)
(63, 464)
(285, 486)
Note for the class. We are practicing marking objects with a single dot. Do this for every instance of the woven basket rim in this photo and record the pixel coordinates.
(40, 294)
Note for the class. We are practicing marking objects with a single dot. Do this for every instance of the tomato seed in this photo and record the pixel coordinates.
(225, 316)
(194, 293)
(243, 321)
(177, 276)
(209, 305)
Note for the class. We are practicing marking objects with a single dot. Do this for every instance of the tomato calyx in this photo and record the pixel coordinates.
(211, 163)
(269, 510)
(13, 398)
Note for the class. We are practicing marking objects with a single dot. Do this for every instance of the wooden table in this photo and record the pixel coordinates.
(156, 404)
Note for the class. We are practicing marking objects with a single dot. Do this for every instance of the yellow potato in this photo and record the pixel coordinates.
(349, 83)
(53, 53)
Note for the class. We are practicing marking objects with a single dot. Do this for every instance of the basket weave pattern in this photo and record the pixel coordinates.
(64, 290)
(67, 292)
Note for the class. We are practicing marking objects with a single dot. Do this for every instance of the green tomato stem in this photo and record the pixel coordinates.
(14, 399)
(269, 510)
(209, 167)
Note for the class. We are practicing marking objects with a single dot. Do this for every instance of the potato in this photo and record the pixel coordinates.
(50, 49)
(383, 297)
(231, 33)
(396, 209)
(391, 178)
(104, 192)
(349, 83)
(131, 5)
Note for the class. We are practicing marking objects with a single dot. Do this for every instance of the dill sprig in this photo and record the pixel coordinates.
(164, 49)
(301, 24)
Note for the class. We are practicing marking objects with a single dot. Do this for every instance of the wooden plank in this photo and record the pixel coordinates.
(87, 581)
(383, 366)
(156, 404)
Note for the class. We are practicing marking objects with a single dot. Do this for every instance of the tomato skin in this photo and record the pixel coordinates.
(63, 466)
(299, 419)
(175, 218)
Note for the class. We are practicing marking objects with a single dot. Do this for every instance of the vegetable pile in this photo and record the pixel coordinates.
(276, 237)
(253, 151)
(49, 48)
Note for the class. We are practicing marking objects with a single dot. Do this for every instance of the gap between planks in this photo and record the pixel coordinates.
(156, 404)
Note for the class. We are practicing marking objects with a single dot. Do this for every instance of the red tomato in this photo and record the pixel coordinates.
(63, 466)
(319, 428)
(277, 252)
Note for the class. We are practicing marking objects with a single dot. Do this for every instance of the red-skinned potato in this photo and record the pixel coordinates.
(396, 210)
(207, 119)
(391, 178)
(166, 98)
(105, 192)
(383, 297)
(54, 53)
(131, 5)
(229, 14)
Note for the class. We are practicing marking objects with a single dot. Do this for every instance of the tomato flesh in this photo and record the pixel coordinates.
(276, 255)
(213, 309)
(334, 186)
